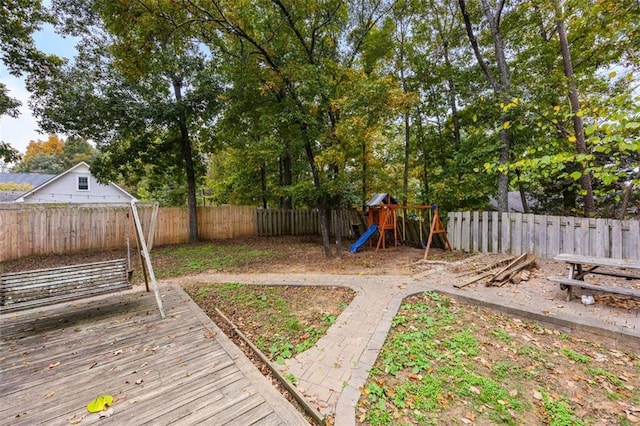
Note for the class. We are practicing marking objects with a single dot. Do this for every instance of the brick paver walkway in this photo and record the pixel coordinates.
(331, 373)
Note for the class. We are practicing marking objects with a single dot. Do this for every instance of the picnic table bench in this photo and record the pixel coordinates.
(579, 266)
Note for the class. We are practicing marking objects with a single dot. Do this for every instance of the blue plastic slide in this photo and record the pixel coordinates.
(363, 238)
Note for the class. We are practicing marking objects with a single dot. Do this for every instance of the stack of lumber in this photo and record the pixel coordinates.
(514, 270)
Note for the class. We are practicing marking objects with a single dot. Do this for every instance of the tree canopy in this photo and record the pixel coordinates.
(319, 104)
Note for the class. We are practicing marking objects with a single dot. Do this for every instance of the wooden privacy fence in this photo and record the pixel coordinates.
(545, 236)
(276, 222)
(44, 229)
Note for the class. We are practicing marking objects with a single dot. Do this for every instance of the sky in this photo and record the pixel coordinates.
(19, 131)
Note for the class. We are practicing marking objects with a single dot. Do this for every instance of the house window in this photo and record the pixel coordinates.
(83, 183)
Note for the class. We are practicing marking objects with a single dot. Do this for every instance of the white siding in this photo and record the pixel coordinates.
(64, 189)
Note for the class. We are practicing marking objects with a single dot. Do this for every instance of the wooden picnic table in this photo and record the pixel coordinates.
(579, 266)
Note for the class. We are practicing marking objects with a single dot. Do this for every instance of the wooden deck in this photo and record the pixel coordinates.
(181, 370)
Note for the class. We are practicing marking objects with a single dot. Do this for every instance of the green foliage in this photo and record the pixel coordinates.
(320, 104)
(559, 413)
(8, 154)
(575, 356)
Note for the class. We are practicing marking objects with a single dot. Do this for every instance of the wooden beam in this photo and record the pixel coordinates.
(147, 257)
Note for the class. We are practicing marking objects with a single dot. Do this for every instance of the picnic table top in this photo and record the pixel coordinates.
(597, 261)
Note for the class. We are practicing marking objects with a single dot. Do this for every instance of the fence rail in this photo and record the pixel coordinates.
(545, 236)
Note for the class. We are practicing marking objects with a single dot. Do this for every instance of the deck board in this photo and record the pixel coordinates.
(54, 360)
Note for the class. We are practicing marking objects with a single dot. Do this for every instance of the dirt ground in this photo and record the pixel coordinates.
(292, 255)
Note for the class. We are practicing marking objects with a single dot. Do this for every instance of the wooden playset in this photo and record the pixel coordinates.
(382, 213)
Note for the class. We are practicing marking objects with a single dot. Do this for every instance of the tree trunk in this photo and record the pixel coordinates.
(263, 186)
(407, 153)
(187, 155)
(286, 177)
(364, 173)
(321, 203)
(578, 127)
(338, 227)
(422, 143)
(501, 88)
(523, 195)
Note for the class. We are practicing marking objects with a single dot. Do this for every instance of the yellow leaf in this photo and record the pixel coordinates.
(506, 125)
(556, 108)
(100, 403)
(571, 138)
(612, 74)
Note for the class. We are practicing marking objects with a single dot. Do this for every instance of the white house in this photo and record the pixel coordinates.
(76, 185)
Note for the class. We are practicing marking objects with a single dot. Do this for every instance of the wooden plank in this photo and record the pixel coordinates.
(466, 231)
(541, 239)
(186, 376)
(530, 239)
(475, 232)
(616, 239)
(505, 238)
(553, 234)
(602, 238)
(569, 236)
(495, 232)
(634, 239)
(485, 232)
(516, 246)
(28, 289)
(608, 289)
(600, 261)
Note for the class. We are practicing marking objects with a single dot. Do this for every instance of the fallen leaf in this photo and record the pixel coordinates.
(139, 381)
(54, 365)
(50, 394)
(93, 365)
(118, 352)
(474, 390)
(73, 420)
(209, 334)
(101, 403)
(537, 395)
(470, 416)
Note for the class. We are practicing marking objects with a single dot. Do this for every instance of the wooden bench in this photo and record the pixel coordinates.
(580, 266)
(41, 287)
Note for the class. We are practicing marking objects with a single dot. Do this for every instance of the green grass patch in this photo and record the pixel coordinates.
(282, 321)
(451, 363)
(173, 261)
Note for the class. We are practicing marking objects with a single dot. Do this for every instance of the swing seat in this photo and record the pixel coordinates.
(41, 287)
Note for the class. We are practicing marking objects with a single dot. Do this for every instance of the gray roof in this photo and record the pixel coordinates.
(9, 196)
(515, 202)
(33, 179)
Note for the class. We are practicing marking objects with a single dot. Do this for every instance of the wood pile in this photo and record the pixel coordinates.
(514, 270)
